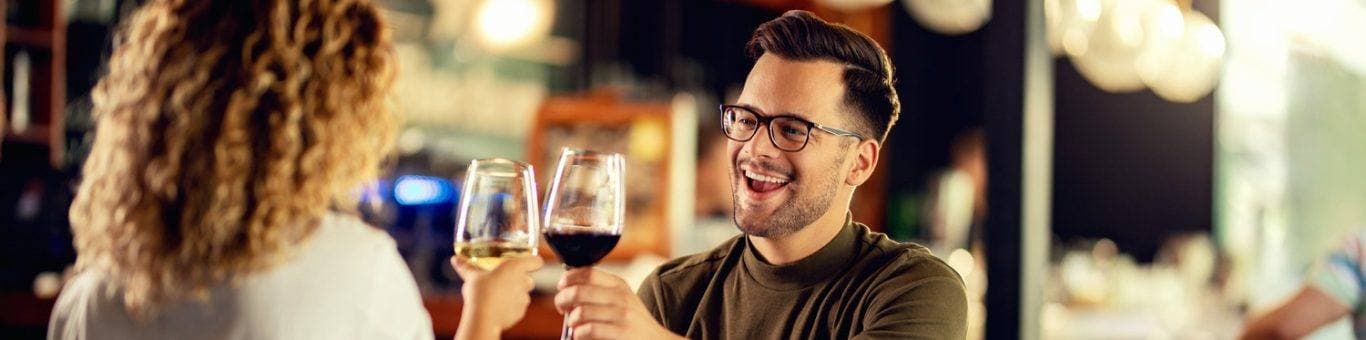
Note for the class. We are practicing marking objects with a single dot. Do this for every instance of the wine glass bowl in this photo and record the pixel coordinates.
(585, 208)
(497, 213)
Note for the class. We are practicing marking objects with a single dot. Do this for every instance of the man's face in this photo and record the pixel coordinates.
(779, 192)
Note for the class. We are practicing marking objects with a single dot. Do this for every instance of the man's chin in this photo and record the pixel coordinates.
(761, 226)
(753, 230)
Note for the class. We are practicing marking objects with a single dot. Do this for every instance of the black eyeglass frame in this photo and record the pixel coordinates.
(768, 122)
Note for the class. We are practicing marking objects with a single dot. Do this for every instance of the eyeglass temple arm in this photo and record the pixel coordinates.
(838, 132)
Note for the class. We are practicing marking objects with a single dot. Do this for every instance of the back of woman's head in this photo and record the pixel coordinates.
(225, 130)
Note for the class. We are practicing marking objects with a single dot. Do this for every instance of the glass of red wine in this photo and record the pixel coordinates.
(585, 209)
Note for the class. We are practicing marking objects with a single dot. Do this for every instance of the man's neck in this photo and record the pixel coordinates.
(785, 249)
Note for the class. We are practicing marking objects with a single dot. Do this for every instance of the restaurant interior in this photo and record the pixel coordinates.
(1093, 169)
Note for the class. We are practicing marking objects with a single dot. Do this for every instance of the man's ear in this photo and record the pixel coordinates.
(865, 160)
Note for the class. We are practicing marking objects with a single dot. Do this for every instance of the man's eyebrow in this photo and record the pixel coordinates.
(766, 114)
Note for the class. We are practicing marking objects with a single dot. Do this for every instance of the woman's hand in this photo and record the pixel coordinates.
(494, 299)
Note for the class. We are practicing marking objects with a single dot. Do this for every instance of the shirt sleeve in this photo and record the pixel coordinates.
(1340, 274)
(927, 301)
(651, 294)
(396, 310)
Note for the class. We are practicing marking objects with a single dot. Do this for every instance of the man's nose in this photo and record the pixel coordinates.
(761, 145)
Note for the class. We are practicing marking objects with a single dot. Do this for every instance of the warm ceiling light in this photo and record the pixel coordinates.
(506, 24)
(1189, 70)
(852, 5)
(1108, 57)
(951, 17)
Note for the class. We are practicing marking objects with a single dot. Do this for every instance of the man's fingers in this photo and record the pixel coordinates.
(575, 296)
(595, 313)
(589, 276)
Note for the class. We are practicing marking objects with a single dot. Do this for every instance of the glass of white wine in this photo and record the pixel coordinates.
(498, 212)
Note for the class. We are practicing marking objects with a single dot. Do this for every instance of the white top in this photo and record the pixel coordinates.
(346, 282)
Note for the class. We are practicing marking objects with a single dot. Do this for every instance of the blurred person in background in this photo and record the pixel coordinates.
(713, 223)
(217, 202)
(1333, 290)
(805, 133)
(958, 205)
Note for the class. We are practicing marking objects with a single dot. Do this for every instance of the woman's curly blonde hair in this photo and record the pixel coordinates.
(225, 131)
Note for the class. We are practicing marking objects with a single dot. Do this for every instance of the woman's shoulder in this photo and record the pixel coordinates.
(348, 234)
(340, 280)
(351, 226)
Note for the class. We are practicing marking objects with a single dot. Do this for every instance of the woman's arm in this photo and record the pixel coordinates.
(494, 299)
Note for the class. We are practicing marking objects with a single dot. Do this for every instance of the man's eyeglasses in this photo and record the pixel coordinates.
(788, 133)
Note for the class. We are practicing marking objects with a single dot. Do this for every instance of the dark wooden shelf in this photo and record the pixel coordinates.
(24, 309)
(30, 37)
(35, 134)
(46, 39)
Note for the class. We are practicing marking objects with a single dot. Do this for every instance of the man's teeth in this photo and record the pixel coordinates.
(758, 177)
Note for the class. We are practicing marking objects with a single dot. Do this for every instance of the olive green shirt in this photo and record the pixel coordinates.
(860, 285)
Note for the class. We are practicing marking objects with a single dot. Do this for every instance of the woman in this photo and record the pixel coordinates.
(231, 139)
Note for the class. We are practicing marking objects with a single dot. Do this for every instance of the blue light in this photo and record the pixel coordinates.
(419, 190)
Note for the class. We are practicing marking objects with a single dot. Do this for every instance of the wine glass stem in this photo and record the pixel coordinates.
(566, 333)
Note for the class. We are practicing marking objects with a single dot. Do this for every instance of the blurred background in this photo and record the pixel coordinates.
(1119, 169)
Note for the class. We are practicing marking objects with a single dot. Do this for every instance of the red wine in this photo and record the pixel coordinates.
(580, 248)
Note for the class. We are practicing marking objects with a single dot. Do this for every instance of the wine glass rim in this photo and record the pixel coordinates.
(588, 153)
(503, 161)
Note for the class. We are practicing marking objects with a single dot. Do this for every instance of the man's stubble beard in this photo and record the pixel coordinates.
(801, 210)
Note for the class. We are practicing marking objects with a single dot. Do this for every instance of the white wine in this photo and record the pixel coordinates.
(489, 255)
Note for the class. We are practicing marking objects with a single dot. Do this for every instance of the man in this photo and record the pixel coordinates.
(806, 131)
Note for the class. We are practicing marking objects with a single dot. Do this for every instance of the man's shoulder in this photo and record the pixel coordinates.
(700, 263)
(912, 293)
(900, 261)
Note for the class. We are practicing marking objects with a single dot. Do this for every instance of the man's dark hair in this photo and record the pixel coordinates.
(800, 35)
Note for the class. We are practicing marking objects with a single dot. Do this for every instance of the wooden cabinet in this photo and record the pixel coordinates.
(35, 51)
(641, 131)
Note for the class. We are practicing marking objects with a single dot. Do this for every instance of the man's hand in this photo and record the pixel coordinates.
(598, 305)
(494, 299)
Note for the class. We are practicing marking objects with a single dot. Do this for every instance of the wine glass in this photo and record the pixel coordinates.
(585, 208)
(498, 218)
